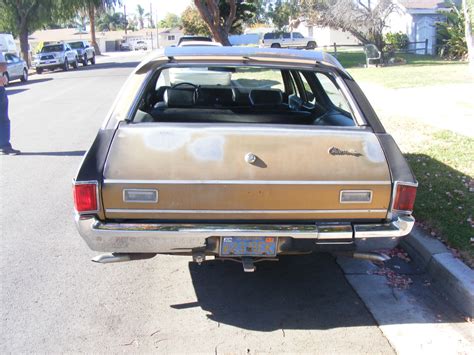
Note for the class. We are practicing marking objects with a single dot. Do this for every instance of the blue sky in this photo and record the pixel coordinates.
(160, 7)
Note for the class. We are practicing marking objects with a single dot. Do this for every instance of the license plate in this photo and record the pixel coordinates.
(248, 246)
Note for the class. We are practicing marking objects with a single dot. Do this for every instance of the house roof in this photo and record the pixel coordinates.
(423, 4)
(170, 30)
(69, 34)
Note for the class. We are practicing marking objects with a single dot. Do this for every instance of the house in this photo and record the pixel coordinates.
(169, 36)
(325, 36)
(417, 19)
(107, 40)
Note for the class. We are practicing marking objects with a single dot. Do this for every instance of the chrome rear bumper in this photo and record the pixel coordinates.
(183, 238)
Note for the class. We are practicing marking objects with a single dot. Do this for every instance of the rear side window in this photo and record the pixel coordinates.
(286, 35)
(297, 35)
(333, 92)
(269, 36)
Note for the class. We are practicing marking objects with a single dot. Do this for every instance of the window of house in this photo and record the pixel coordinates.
(171, 38)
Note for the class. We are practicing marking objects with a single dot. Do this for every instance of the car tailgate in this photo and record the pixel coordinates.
(205, 172)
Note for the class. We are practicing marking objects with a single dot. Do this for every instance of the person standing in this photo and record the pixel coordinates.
(5, 146)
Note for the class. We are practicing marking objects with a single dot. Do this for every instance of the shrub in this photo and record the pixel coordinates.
(396, 41)
(450, 35)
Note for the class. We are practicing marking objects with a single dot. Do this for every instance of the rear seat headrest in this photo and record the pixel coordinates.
(215, 96)
(179, 97)
(265, 97)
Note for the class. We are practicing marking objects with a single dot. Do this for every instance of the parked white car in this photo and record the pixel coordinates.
(52, 56)
(141, 45)
(287, 40)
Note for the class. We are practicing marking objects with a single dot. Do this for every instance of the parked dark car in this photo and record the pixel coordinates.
(85, 52)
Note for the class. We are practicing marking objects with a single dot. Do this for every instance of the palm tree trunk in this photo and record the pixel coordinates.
(91, 12)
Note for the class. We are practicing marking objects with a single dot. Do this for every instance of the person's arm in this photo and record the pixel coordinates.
(3, 69)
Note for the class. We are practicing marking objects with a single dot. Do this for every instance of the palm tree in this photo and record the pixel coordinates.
(141, 12)
(91, 7)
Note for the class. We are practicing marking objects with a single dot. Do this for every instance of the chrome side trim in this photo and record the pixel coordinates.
(244, 182)
(179, 238)
(148, 211)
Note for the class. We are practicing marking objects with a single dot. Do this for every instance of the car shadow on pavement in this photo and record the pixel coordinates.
(32, 80)
(15, 91)
(72, 153)
(297, 292)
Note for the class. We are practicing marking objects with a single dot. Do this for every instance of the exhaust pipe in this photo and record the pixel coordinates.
(120, 257)
(377, 257)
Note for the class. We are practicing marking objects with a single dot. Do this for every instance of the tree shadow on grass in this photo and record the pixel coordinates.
(443, 200)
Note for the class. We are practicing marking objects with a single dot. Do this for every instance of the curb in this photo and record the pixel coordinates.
(450, 275)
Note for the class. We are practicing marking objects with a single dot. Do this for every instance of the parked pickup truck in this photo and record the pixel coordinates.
(85, 52)
(282, 154)
(53, 56)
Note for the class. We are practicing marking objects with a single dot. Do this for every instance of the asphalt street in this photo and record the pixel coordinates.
(54, 299)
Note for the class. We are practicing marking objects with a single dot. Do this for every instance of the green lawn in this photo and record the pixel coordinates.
(444, 168)
(405, 76)
(420, 70)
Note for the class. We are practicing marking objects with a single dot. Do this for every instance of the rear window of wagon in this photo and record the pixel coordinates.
(244, 94)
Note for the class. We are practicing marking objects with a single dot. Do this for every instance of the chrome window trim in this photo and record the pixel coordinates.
(359, 118)
(369, 191)
(89, 182)
(140, 201)
(245, 182)
(149, 211)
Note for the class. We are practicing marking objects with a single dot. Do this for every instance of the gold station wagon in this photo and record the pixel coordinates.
(243, 154)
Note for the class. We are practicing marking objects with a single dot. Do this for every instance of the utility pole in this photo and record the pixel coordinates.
(157, 32)
(125, 15)
(151, 15)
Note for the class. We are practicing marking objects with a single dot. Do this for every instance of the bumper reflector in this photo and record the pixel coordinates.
(356, 196)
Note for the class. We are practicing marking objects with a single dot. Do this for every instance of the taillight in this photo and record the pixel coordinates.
(85, 197)
(404, 197)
